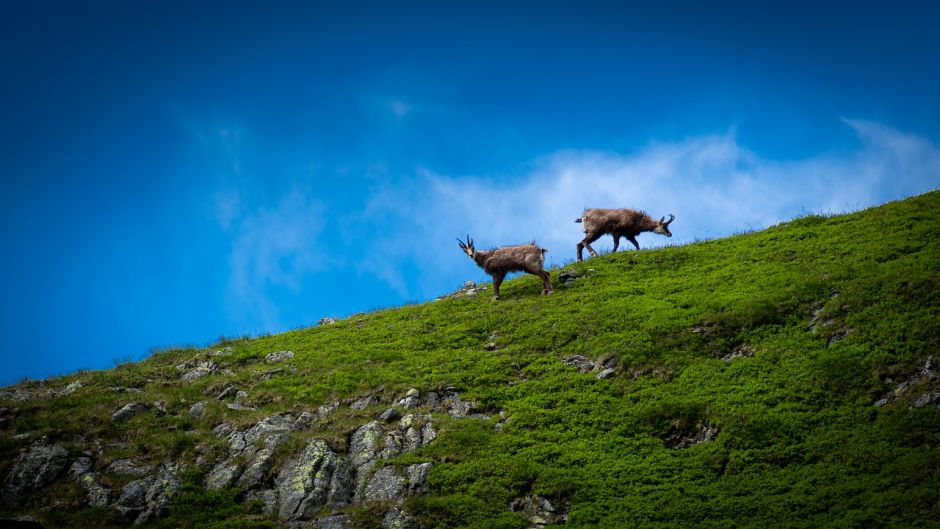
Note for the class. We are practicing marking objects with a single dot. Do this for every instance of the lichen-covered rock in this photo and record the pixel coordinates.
(128, 411)
(396, 518)
(268, 499)
(200, 370)
(260, 463)
(197, 410)
(129, 467)
(96, 493)
(336, 521)
(315, 478)
(223, 475)
(538, 510)
(387, 484)
(364, 444)
(390, 415)
(579, 362)
(159, 494)
(364, 402)
(417, 477)
(278, 356)
(133, 498)
(33, 469)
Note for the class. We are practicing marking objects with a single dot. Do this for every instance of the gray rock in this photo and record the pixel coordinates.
(129, 467)
(393, 445)
(197, 410)
(364, 402)
(315, 478)
(239, 407)
(396, 518)
(579, 362)
(33, 469)
(71, 388)
(335, 521)
(80, 467)
(274, 424)
(303, 421)
(926, 399)
(228, 392)
(537, 509)
(268, 499)
(96, 494)
(133, 497)
(223, 475)
(325, 410)
(607, 373)
(386, 485)
(364, 444)
(390, 415)
(159, 495)
(326, 321)
(223, 429)
(418, 477)
(260, 463)
(278, 356)
(202, 369)
(128, 411)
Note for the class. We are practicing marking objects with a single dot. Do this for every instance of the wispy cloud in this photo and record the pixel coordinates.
(713, 185)
(274, 249)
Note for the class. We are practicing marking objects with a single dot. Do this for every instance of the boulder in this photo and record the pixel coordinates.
(313, 479)
(129, 467)
(33, 469)
(418, 477)
(396, 518)
(278, 356)
(386, 485)
(197, 410)
(200, 370)
(128, 411)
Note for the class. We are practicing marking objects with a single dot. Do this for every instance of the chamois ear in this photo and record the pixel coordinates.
(671, 218)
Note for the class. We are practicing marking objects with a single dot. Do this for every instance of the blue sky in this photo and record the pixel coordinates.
(173, 172)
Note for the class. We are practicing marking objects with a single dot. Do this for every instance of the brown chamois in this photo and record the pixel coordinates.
(500, 261)
(620, 223)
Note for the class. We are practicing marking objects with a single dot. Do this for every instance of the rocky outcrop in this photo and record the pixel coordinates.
(315, 478)
(278, 356)
(251, 452)
(35, 468)
(148, 498)
(197, 369)
(128, 411)
(538, 510)
(924, 382)
(679, 435)
(96, 493)
(604, 368)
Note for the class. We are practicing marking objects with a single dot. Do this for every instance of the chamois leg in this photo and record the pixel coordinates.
(586, 243)
(497, 280)
(546, 281)
(616, 243)
(632, 238)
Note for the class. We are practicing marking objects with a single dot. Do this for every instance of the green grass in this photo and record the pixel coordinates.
(799, 443)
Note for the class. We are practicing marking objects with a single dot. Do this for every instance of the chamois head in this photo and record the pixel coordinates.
(662, 227)
(467, 246)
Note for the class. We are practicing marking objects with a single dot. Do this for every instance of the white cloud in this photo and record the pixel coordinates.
(713, 185)
(274, 248)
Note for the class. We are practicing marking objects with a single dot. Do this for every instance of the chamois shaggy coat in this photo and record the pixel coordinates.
(498, 262)
(620, 223)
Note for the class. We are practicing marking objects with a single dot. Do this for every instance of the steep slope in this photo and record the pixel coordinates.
(783, 378)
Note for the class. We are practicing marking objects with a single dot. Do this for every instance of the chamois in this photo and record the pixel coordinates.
(620, 223)
(500, 261)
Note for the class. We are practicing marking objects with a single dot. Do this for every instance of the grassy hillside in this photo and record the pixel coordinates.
(745, 376)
